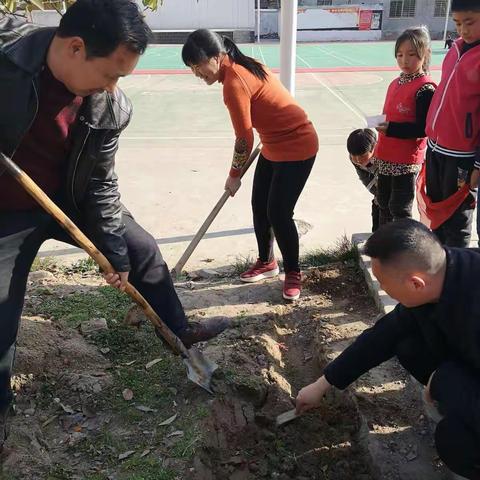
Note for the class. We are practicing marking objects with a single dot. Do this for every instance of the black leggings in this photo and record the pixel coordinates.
(457, 435)
(276, 188)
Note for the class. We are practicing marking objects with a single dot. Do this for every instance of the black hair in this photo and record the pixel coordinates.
(419, 37)
(406, 243)
(465, 5)
(361, 141)
(104, 25)
(204, 44)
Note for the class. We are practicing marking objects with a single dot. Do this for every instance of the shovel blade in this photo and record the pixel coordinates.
(200, 369)
(286, 417)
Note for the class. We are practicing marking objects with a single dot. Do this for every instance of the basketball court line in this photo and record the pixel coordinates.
(310, 69)
(350, 107)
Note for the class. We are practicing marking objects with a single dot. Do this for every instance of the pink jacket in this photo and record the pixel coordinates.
(453, 121)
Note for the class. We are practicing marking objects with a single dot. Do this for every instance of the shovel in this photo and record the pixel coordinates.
(177, 270)
(286, 417)
(199, 368)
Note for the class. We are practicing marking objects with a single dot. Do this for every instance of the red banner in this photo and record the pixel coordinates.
(365, 19)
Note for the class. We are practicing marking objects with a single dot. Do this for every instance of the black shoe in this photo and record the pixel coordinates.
(201, 331)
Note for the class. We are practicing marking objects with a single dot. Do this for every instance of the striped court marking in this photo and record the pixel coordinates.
(261, 53)
(335, 94)
(174, 71)
(336, 56)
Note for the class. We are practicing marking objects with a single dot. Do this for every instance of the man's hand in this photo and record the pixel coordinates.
(474, 178)
(382, 127)
(232, 185)
(311, 396)
(118, 279)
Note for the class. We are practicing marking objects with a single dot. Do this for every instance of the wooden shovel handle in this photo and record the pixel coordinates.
(211, 217)
(48, 205)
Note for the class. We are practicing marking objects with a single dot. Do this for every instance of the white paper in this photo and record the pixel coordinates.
(375, 120)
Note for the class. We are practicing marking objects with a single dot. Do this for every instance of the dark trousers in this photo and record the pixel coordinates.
(276, 189)
(444, 176)
(457, 435)
(395, 195)
(22, 234)
(369, 181)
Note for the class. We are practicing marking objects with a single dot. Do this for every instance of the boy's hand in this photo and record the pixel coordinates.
(474, 178)
(311, 396)
(382, 127)
(117, 280)
(362, 160)
(232, 185)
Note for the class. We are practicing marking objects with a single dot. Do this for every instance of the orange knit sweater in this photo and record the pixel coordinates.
(283, 126)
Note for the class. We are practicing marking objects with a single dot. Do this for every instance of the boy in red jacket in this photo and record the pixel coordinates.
(453, 128)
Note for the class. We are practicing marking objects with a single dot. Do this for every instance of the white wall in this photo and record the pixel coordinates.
(193, 14)
(185, 15)
(316, 18)
(269, 22)
(339, 36)
(317, 24)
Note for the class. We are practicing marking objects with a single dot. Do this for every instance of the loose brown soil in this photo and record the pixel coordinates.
(73, 421)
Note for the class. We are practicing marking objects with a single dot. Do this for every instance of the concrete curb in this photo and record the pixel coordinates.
(384, 302)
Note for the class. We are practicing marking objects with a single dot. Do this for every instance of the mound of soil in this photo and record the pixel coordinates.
(273, 350)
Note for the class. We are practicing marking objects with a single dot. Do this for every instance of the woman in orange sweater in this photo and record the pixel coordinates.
(255, 98)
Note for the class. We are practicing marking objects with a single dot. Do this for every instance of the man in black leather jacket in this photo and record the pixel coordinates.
(61, 114)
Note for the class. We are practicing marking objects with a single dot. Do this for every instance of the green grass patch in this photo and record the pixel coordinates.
(145, 469)
(44, 263)
(190, 424)
(130, 349)
(242, 263)
(59, 472)
(50, 264)
(186, 447)
(83, 265)
(342, 251)
(151, 388)
(106, 302)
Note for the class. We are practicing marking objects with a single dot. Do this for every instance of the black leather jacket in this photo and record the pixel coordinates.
(91, 190)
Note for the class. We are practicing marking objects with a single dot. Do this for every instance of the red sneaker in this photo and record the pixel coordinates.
(292, 286)
(259, 271)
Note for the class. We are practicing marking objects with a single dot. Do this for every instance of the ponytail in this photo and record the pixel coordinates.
(204, 44)
(247, 62)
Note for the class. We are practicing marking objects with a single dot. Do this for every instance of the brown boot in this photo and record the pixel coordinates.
(201, 331)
